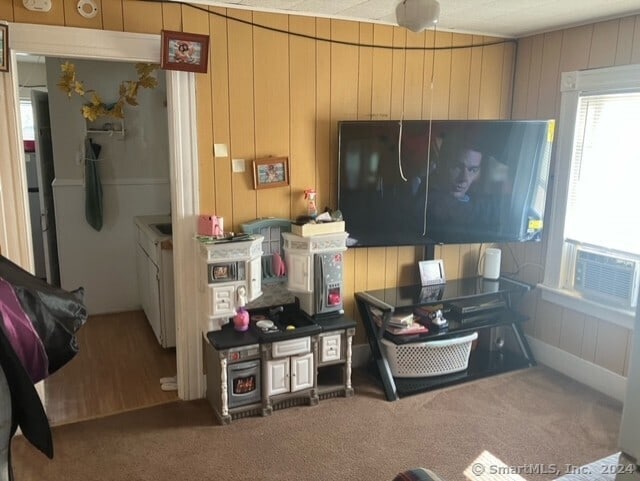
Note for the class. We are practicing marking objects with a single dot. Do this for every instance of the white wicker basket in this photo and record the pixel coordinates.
(430, 358)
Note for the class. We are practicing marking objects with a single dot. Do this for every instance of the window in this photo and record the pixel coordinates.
(602, 208)
(595, 206)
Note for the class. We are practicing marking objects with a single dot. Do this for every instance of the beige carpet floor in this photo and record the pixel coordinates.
(529, 417)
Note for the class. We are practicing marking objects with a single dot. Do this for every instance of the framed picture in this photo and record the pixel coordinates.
(184, 51)
(270, 172)
(4, 48)
(432, 272)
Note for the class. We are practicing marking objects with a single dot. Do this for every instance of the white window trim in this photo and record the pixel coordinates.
(574, 84)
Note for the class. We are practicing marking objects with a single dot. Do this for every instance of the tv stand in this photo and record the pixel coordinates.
(488, 310)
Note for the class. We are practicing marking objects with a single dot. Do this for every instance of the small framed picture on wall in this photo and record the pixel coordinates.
(184, 51)
(4, 48)
(270, 172)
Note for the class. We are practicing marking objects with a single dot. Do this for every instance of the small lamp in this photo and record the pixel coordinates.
(417, 15)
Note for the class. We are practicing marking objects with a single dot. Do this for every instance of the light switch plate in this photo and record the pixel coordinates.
(220, 150)
(237, 165)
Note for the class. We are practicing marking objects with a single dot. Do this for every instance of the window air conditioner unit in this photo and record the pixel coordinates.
(606, 277)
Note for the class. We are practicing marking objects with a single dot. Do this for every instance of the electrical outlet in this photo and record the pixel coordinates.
(237, 165)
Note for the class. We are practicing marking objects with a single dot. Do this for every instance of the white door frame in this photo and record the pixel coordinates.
(15, 235)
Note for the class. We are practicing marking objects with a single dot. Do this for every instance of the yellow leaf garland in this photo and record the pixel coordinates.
(128, 91)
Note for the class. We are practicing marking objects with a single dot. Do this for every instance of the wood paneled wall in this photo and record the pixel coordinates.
(278, 84)
(540, 62)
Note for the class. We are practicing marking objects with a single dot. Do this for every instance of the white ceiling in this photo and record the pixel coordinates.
(504, 18)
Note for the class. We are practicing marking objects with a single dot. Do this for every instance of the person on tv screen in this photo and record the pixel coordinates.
(455, 205)
(463, 172)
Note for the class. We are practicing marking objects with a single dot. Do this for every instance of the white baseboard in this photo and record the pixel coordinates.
(586, 372)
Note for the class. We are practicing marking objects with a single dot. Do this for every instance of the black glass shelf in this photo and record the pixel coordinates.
(469, 305)
(458, 289)
(459, 327)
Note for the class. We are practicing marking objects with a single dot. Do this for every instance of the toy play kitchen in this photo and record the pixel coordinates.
(289, 354)
(300, 360)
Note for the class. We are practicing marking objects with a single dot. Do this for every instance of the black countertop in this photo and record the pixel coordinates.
(336, 323)
(228, 337)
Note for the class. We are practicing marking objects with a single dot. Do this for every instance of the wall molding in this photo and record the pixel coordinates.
(588, 373)
(55, 41)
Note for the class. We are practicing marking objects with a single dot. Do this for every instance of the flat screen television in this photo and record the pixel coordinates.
(413, 182)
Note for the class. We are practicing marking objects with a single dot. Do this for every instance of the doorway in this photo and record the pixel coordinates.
(181, 97)
(108, 375)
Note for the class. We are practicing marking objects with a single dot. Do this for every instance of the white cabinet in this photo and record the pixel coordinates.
(229, 277)
(334, 362)
(300, 273)
(142, 263)
(291, 368)
(330, 347)
(290, 374)
(154, 266)
(302, 372)
(278, 376)
(255, 277)
(222, 300)
(148, 286)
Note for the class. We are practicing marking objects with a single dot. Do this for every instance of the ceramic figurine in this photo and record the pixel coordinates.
(310, 197)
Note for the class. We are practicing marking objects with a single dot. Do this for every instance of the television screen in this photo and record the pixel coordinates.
(448, 181)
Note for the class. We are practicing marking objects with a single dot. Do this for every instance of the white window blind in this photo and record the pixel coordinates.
(603, 207)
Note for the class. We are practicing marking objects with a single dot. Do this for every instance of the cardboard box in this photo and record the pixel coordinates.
(308, 230)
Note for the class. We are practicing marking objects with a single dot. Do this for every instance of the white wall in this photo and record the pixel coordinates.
(142, 153)
(134, 170)
(31, 75)
(104, 262)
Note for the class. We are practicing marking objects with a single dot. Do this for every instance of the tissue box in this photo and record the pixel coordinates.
(210, 225)
(308, 230)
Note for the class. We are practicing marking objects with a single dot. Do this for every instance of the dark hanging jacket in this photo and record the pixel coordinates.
(38, 325)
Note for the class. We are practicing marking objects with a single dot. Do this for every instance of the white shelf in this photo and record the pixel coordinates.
(109, 128)
(106, 131)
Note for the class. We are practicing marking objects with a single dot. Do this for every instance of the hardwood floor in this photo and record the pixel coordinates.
(118, 368)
